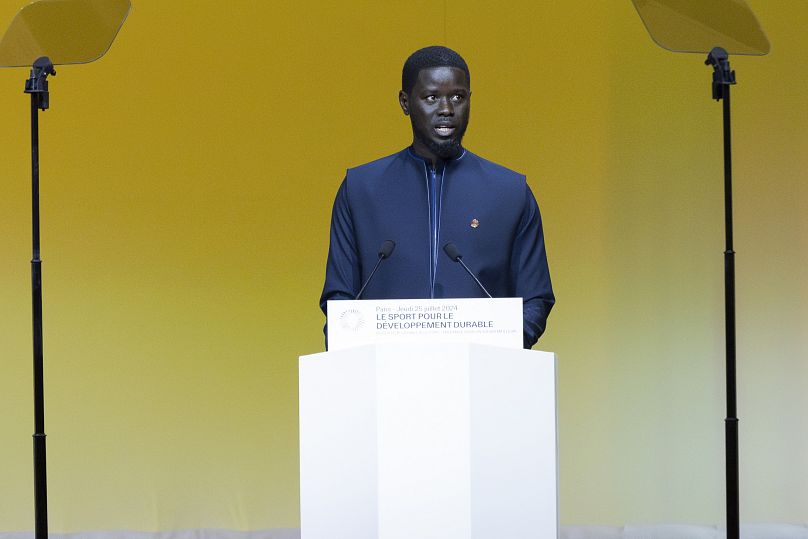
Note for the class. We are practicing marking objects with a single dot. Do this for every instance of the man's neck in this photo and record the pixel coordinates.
(434, 161)
(419, 149)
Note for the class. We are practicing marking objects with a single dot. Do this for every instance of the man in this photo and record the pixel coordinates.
(432, 193)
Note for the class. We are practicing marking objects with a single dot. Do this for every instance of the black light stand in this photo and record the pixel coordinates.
(723, 78)
(37, 86)
(63, 32)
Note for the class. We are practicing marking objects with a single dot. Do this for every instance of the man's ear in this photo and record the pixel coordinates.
(403, 100)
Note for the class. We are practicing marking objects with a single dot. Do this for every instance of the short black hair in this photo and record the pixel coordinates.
(434, 56)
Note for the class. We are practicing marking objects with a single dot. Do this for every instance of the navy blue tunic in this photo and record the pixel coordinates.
(486, 210)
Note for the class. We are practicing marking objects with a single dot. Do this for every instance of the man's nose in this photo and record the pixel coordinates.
(445, 108)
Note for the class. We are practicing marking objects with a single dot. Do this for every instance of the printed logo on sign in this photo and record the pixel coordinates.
(352, 320)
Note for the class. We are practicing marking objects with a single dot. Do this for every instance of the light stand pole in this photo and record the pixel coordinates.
(54, 32)
(37, 86)
(698, 26)
(723, 78)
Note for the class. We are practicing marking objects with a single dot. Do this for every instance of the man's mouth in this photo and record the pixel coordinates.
(444, 130)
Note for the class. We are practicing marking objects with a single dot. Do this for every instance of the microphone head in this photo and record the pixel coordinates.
(386, 248)
(452, 251)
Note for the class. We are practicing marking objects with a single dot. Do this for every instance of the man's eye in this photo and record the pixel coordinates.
(457, 98)
(431, 98)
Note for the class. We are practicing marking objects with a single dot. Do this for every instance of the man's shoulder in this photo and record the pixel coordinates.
(489, 168)
(403, 160)
(377, 166)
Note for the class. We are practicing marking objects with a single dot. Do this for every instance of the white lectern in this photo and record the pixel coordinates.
(424, 439)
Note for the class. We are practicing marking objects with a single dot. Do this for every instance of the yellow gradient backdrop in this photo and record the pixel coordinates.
(187, 182)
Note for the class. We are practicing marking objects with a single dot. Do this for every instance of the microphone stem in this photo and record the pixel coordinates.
(465, 267)
(379, 261)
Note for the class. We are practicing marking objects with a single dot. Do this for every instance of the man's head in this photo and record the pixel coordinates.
(436, 95)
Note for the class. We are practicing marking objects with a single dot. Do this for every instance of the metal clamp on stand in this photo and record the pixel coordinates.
(37, 83)
(723, 76)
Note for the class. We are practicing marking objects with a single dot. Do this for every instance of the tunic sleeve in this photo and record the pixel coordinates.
(343, 269)
(530, 271)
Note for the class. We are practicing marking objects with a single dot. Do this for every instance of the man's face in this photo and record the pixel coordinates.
(438, 106)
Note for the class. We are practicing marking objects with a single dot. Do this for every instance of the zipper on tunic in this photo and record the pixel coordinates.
(434, 199)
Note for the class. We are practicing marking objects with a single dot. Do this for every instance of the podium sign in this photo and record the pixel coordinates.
(497, 321)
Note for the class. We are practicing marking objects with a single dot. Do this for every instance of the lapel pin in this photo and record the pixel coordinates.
(475, 223)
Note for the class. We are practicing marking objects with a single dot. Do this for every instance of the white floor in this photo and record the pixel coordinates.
(658, 531)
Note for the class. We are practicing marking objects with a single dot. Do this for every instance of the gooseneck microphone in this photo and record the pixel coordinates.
(452, 251)
(385, 250)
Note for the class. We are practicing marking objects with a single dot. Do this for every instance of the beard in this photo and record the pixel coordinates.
(446, 149)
